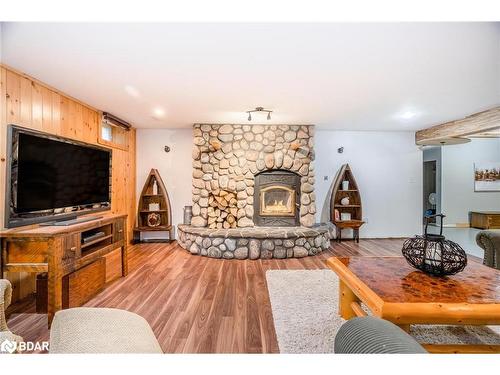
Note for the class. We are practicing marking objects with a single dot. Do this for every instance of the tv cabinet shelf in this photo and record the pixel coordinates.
(87, 244)
(95, 244)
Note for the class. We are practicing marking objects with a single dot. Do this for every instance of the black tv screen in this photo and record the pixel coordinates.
(50, 173)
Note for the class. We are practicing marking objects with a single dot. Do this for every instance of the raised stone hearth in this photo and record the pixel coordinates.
(256, 242)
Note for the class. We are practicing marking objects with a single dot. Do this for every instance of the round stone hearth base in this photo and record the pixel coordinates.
(255, 242)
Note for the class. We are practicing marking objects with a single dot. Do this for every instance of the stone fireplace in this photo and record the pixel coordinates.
(246, 179)
(229, 158)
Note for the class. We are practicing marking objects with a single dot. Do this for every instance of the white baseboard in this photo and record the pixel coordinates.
(457, 225)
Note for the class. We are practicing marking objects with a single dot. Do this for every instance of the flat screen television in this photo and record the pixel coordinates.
(52, 178)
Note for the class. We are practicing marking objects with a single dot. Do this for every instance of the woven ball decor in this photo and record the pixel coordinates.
(433, 253)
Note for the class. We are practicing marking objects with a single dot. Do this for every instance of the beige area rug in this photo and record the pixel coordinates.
(305, 312)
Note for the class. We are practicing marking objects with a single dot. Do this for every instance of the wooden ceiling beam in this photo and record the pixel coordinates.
(477, 123)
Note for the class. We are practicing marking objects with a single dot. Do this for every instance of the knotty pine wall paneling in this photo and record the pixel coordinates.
(28, 102)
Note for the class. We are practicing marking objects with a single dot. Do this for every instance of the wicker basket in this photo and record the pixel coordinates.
(433, 253)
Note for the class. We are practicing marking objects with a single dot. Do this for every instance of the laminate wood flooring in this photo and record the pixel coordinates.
(196, 304)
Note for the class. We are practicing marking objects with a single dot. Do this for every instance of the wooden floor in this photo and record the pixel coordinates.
(196, 304)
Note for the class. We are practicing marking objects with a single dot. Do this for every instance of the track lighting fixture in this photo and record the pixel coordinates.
(259, 109)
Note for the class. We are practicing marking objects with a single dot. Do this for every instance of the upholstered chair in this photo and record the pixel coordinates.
(489, 240)
(5, 299)
(371, 335)
(101, 330)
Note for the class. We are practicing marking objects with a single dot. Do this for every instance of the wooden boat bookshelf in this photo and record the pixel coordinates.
(351, 208)
(158, 219)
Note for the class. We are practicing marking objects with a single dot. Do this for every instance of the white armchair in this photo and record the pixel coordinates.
(5, 299)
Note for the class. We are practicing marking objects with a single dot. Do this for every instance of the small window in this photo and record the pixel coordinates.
(107, 132)
(113, 136)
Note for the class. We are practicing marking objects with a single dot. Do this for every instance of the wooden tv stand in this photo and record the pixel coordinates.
(62, 254)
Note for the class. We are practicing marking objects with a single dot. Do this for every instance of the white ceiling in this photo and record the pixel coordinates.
(339, 76)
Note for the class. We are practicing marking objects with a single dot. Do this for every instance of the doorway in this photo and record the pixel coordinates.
(430, 189)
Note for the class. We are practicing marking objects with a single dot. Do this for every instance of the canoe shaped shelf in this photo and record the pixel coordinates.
(154, 211)
(346, 209)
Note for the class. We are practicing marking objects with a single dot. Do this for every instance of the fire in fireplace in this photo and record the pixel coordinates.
(276, 198)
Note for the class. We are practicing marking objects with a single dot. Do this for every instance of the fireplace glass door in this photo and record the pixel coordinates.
(277, 201)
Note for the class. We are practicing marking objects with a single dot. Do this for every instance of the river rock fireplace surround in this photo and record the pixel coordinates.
(253, 193)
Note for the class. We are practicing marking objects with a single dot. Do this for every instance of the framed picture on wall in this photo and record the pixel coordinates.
(487, 176)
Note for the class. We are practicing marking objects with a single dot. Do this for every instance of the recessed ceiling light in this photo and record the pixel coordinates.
(407, 115)
(158, 113)
(132, 91)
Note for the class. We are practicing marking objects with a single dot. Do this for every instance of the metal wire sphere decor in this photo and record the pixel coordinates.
(433, 253)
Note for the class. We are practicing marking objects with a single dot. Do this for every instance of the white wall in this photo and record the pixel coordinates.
(387, 167)
(175, 167)
(458, 195)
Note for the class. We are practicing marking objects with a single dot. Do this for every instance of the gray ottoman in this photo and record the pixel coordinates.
(101, 330)
(370, 335)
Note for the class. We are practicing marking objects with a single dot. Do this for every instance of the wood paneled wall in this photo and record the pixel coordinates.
(32, 104)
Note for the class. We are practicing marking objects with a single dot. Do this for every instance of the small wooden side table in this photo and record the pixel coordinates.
(346, 224)
(163, 228)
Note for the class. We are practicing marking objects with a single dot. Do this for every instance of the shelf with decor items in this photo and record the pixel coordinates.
(154, 212)
(346, 206)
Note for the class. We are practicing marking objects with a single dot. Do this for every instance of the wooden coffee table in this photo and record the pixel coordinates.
(395, 291)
